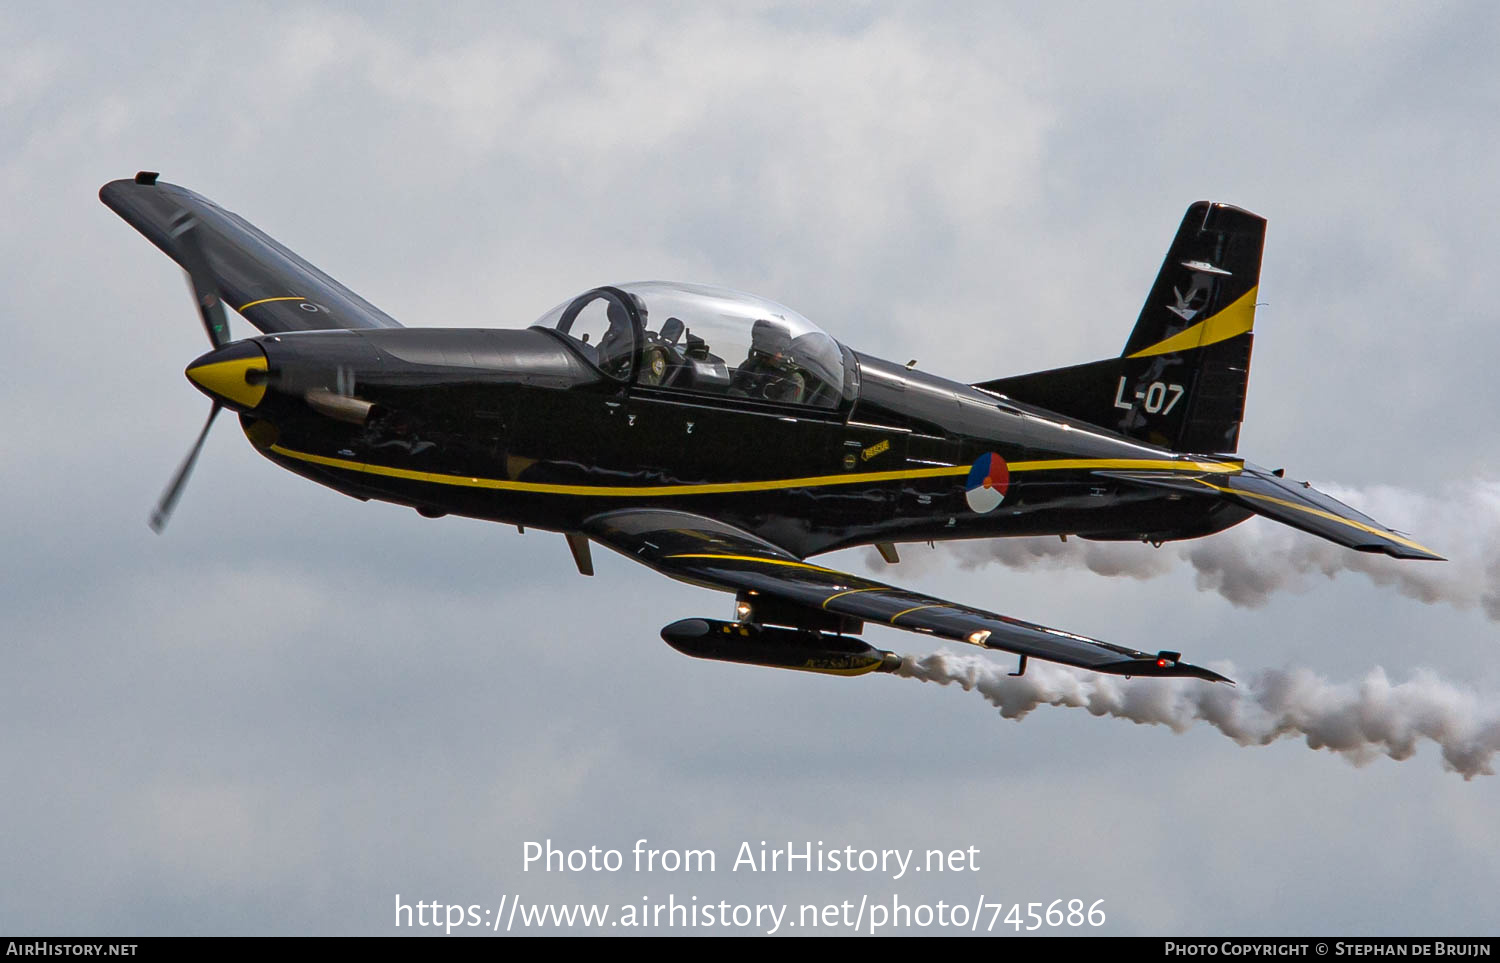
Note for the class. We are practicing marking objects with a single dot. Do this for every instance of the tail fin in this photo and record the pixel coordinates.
(1180, 381)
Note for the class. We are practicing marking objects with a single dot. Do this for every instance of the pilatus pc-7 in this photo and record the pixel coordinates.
(723, 439)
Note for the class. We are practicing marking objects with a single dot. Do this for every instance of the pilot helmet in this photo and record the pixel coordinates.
(769, 338)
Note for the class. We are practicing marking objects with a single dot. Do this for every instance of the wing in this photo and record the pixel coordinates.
(716, 555)
(273, 288)
(1293, 503)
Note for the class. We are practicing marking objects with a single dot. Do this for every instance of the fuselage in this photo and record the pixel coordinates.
(721, 438)
(518, 426)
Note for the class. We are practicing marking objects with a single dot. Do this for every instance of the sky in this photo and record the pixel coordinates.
(293, 710)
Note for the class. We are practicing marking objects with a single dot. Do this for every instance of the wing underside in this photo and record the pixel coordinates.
(713, 554)
(271, 286)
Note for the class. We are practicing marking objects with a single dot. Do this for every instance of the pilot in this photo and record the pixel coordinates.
(767, 372)
(614, 346)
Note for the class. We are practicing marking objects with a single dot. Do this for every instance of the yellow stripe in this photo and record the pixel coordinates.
(857, 670)
(714, 488)
(1135, 464)
(719, 488)
(873, 588)
(1391, 536)
(294, 297)
(757, 558)
(933, 605)
(1235, 319)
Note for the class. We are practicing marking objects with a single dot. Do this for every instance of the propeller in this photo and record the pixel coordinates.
(201, 278)
(211, 310)
(168, 500)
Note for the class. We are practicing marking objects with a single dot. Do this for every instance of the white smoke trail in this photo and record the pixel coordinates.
(1259, 558)
(1360, 721)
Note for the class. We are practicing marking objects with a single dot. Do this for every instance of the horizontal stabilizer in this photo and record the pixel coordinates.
(1300, 505)
(1293, 503)
(1175, 480)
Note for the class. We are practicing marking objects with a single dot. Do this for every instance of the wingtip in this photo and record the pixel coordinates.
(1199, 672)
(1409, 550)
(1153, 668)
(114, 193)
(141, 179)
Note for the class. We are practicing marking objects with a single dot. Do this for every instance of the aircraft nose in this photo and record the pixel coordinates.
(234, 375)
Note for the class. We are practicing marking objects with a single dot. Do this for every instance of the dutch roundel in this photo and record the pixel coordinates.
(987, 484)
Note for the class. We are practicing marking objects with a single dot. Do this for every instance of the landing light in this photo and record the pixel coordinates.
(980, 637)
(741, 611)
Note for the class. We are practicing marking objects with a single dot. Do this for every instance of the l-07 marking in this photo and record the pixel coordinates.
(1153, 397)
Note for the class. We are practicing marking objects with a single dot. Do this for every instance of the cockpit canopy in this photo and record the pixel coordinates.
(707, 340)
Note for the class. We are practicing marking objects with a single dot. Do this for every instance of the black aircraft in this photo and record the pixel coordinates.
(722, 439)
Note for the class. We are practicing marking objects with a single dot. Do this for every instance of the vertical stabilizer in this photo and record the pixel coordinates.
(1181, 379)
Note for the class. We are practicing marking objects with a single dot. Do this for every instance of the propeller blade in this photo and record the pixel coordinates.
(168, 501)
(201, 279)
